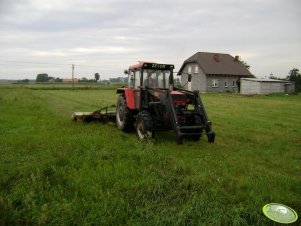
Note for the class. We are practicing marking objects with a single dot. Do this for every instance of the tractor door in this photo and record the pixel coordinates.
(137, 88)
(132, 93)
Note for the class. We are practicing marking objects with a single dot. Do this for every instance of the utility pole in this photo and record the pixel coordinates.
(73, 76)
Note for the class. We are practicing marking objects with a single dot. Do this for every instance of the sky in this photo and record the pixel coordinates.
(105, 37)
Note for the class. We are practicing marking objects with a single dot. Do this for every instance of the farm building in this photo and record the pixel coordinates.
(70, 80)
(213, 72)
(265, 86)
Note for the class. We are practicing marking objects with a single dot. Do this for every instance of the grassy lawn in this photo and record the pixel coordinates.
(57, 172)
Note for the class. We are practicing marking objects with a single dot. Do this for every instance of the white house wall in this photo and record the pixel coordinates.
(221, 83)
(255, 88)
(198, 81)
(202, 82)
(245, 87)
(184, 79)
(262, 87)
(250, 87)
(272, 87)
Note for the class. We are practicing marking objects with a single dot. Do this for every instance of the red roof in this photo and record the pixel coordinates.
(139, 65)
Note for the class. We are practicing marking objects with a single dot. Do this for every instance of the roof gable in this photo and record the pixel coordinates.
(217, 63)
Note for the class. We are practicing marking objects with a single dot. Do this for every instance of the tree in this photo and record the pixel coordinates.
(97, 76)
(245, 64)
(23, 81)
(295, 76)
(42, 78)
(273, 77)
(58, 79)
(248, 67)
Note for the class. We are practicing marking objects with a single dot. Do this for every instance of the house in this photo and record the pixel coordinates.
(213, 72)
(265, 86)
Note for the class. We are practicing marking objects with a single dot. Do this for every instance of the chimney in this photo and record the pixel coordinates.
(236, 59)
(216, 57)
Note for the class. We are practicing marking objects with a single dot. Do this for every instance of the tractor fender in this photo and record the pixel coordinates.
(129, 96)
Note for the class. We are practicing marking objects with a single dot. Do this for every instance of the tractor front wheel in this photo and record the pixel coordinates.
(124, 116)
(144, 125)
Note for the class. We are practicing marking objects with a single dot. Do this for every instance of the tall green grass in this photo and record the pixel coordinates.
(56, 172)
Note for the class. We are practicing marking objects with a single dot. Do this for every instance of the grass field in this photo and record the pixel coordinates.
(57, 172)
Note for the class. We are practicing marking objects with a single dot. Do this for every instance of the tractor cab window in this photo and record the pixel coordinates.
(156, 78)
(152, 80)
(161, 80)
(131, 79)
(137, 78)
(166, 78)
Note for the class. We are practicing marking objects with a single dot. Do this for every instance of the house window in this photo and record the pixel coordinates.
(226, 83)
(196, 69)
(189, 69)
(234, 83)
(214, 83)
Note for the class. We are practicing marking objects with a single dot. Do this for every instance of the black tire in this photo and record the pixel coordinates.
(124, 116)
(144, 126)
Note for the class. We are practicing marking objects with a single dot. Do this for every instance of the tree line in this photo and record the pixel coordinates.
(44, 77)
(293, 76)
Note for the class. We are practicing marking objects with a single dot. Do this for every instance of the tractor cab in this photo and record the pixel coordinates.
(151, 75)
(151, 103)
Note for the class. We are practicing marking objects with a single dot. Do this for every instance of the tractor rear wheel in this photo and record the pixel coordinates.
(144, 125)
(124, 116)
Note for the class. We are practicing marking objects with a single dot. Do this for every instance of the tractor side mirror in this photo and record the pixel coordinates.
(126, 72)
(189, 77)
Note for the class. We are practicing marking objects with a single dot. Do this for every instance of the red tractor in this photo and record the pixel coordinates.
(151, 103)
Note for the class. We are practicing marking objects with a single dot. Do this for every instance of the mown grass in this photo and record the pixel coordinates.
(57, 172)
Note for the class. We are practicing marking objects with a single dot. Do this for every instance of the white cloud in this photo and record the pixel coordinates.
(114, 34)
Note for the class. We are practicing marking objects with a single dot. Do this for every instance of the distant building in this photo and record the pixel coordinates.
(213, 72)
(69, 80)
(265, 86)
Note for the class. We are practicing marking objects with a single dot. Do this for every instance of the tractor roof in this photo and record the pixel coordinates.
(151, 65)
(139, 65)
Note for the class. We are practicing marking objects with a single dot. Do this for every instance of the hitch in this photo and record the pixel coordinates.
(102, 115)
